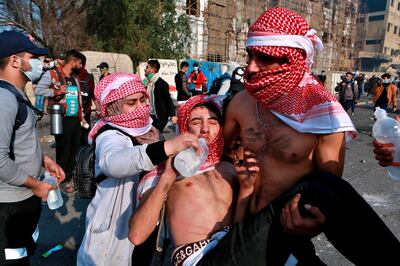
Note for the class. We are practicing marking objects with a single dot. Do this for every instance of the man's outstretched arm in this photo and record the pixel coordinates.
(145, 218)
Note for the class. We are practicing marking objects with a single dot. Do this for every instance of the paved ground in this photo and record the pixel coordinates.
(66, 225)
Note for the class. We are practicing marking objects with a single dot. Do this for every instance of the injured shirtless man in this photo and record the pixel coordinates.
(199, 208)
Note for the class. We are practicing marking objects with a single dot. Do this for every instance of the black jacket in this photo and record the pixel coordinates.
(181, 86)
(162, 101)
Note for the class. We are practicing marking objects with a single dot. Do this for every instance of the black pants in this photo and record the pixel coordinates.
(349, 104)
(352, 226)
(159, 124)
(381, 105)
(18, 221)
(67, 144)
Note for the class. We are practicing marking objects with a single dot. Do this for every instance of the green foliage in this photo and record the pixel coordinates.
(142, 29)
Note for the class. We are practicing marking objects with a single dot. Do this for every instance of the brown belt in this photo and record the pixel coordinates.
(183, 252)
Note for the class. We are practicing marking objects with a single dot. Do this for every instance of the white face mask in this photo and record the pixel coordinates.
(36, 71)
(195, 68)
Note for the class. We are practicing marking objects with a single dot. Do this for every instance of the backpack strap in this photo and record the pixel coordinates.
(22, 112)
(56, 75)
(100, 178)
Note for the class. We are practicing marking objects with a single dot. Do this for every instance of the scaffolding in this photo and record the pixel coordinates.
(336, 24)
(224, 25)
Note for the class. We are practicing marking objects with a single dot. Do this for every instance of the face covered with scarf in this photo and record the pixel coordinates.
(281, 50)
(201, 116)
(123, 102)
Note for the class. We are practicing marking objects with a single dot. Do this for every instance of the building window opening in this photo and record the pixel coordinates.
(192, 7)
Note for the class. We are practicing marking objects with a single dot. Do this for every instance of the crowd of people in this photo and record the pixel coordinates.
(271, 180)
(353, 86)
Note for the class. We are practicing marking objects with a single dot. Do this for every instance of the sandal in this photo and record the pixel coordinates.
(68, 187)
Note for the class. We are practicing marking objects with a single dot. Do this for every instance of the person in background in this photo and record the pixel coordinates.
(21, 157)
(60, 61)
(161, 103)
(385, 94)
(322, 77)
(104, 70)
(226, 78)
(86, 83)
(348, 92)
(198, 79)
(62, 87)
(181, 82)
(361, 84)
(396, 82)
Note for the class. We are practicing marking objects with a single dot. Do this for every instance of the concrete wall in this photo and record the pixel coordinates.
(116, 62)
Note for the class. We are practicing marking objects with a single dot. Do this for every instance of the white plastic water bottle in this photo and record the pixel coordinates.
(387, 130)
(187, 163)
(54, 198)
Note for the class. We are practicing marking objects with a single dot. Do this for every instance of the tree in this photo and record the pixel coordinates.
(56, 24)
(142, 29)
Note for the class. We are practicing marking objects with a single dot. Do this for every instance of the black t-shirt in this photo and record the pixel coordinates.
(382, 100)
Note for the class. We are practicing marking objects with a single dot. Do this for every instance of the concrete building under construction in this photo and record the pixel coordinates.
(381, 47)
(219, 28)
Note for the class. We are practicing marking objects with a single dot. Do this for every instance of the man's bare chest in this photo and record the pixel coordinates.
(271, 137)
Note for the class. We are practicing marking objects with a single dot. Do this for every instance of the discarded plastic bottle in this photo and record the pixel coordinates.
(187, 163)
(387, 130)
(54, 198)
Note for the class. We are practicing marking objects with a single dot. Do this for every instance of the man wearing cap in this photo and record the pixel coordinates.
(103, 70)
(61, 87)
(21, 157)
(60, 61)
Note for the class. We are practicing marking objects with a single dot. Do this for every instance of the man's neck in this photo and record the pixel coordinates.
(67, 70)
(15, 80)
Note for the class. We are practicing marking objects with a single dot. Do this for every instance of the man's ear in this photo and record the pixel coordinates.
(15, 61)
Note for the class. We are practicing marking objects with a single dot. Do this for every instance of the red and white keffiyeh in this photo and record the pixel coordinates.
(115, 87)
(290, 91)
(215, 148)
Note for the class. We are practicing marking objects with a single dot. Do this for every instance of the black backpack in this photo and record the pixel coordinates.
(217, 83)
(22, 112)
(84, 177)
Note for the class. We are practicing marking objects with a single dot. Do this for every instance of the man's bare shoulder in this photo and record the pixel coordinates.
(239, 97)
(226, 170)
(238, 104)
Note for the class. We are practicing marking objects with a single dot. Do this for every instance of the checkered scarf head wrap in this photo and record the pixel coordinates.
(282, 33)
(118, 86)
(215, 148)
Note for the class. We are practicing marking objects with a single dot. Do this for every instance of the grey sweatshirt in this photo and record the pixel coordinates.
(28, 154)
(43, 86)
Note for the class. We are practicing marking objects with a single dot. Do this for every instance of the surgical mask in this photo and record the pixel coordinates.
(36, 71)
(385, 81)
(195, 68)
